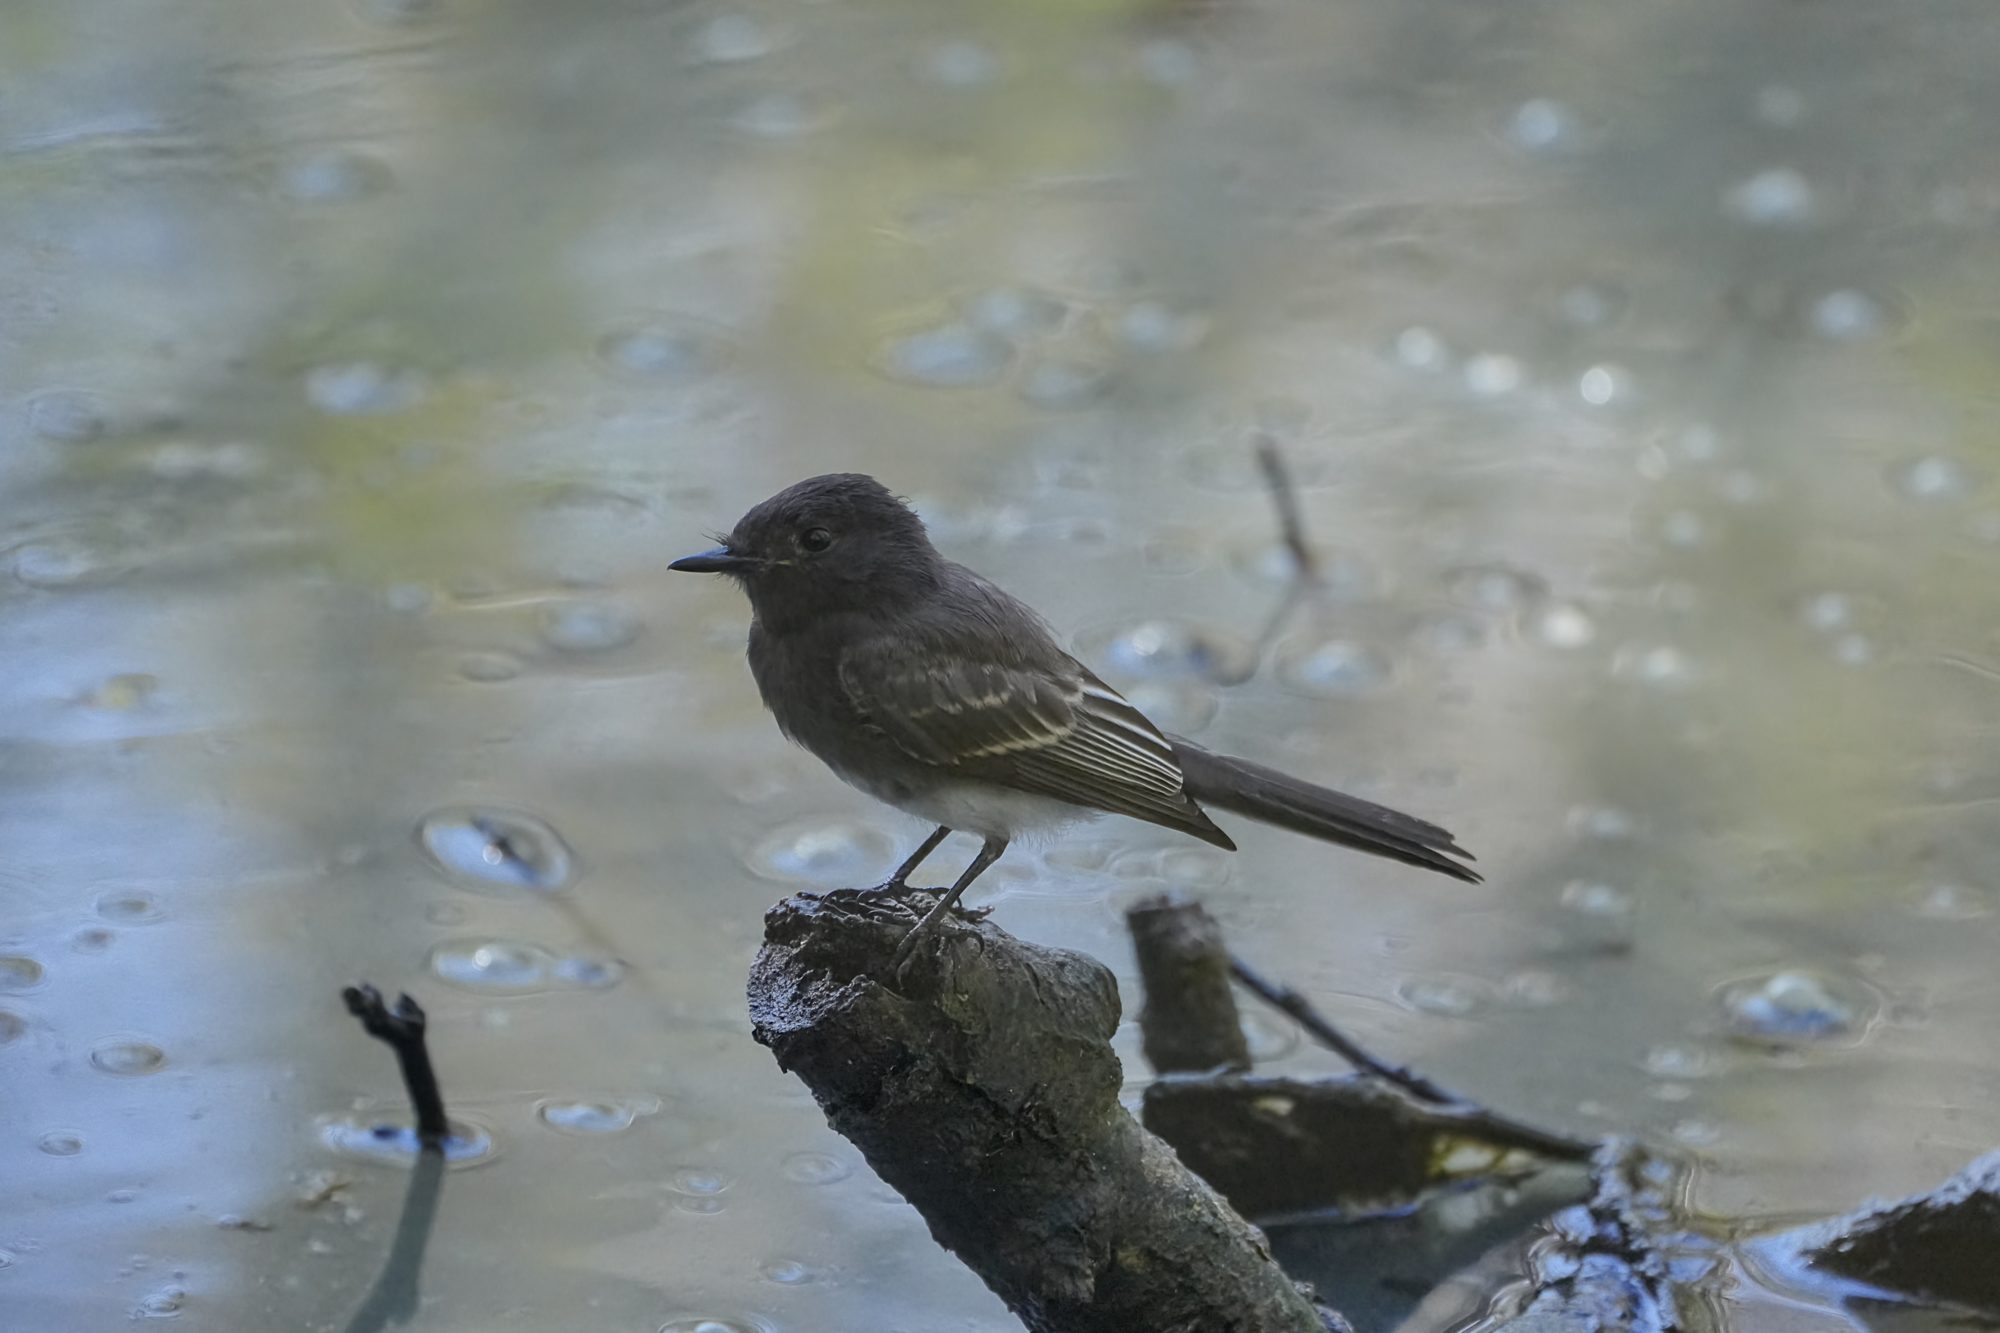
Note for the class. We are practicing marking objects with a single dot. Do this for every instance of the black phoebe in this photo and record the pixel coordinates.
(929, 688)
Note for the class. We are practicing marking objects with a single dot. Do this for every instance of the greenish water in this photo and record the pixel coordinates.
(362, 364)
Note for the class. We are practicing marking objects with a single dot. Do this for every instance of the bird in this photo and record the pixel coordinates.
(931, 689)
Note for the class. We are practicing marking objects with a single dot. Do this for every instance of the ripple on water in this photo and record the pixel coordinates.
(1775, 197)
(587, 627)
(1949, 901)
(823, 851)
(1182, 706)
(1446, 997)
(1017, 312)
(814, 1168)
(1065, 384)
(1500, 589)
(20, 973)
(489, 668)
(1167, 649)
(948, 356)
(710, 1323)
(337, 176)
(129, 906)
(1565, 625)
(166, 1303)
(1933, 479)
(1849, 316)
(364, 388)
(662, 350)
(127, 1057)
(393, 1143)
(1796, 1007)
(60, 1143)
(611, 1116)
(1543, 125)
(481, 846)
(1334, 668)
(506, 966)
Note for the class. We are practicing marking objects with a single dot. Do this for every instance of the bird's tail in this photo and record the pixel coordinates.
(1270, 796)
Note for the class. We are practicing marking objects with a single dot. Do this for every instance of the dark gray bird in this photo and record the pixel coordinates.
(929, 688)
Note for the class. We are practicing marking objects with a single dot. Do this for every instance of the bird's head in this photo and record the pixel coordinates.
(835, 543)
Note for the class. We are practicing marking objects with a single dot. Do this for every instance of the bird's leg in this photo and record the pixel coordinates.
(988, 854)
(903, 871)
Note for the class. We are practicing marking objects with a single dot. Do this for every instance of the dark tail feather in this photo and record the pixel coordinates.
(1268, 795)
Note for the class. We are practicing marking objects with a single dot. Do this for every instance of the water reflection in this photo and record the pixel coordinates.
(365, 361)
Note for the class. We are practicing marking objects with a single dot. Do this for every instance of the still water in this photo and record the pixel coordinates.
(362, 363)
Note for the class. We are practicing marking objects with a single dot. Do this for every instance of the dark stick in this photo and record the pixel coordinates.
(1289, 1002)
(1285, 497)
(402, 1028)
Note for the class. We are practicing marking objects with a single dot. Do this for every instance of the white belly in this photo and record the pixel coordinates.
(989, 811)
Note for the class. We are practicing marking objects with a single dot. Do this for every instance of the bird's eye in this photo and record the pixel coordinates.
(815, 539)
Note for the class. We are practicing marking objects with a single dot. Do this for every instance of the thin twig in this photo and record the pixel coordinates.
(1285, 498)
(402, 1028)
(1289, 1002)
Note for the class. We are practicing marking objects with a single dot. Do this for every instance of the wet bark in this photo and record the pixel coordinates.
(982, 1086)
(1190, 1024)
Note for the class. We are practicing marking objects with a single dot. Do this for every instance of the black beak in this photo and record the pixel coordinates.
(721, 560)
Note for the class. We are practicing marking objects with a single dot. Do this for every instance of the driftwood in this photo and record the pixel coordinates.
(1936, 1247)
(980, 1083)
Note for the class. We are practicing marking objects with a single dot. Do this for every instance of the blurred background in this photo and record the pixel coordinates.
(363, 363)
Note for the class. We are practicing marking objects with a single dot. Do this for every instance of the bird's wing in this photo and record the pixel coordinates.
(1062, 733)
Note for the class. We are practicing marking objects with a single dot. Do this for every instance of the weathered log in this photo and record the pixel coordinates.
(1189, 1023)
(981, 1085)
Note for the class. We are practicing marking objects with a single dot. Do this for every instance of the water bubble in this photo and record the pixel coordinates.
(1848, 316)
(337, 176)
(589, 971)
(729, 39)
(1661, 665)
(1421, 348)
(1853, 650)
(703, 1323)
(130, 906)
(20, 973)
(60, 1143)
(1684, 528)
(493, 965)
(1949, 901)
(58, 563)
(814, 1168)
(661, 350)
(1495, 588)
(1542, 125)
(1154, 326)
(166, 1303)
(363, 388)
(1679, 1062)
(820, 851)
(1017, 312)
(1168, 63)
(595, 1117)
(1594, 898)
(1697, 1133)
(12, 1026)
(788, 1272)
(1601, 821)
(1601, 386)
(959, 64)
(1565, 625)
(1777, 197)
(949, 356)
(1793, 1007)
(1061, 384)
(128, 1058)
(68, 416)
(1534, 988)
(489, 668)
(587, 627)
(393, 1143)
(1827, 611)
(1447, 997)
(1932, 479)
(1334, 668)
(1492, 374)
(1162, 649)
(481, 846)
